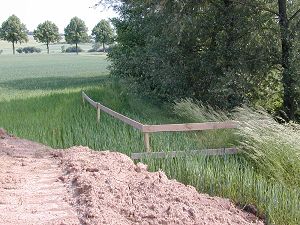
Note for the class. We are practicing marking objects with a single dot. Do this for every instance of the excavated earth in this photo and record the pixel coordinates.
(40, 185)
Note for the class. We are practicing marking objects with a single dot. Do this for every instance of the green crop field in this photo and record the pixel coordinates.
(40, 100)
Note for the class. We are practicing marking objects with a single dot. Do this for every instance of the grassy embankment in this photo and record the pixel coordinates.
(40, 100)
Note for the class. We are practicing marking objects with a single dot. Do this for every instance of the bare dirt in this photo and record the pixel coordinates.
(39, 185)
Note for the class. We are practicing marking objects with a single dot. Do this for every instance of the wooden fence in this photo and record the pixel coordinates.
(148, 129)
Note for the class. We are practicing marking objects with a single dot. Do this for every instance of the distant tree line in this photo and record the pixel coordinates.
(12, 30)
(222, 52)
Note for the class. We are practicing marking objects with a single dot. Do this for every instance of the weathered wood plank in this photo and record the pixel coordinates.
(93, 103)
(147, 142)
(188, 127)
(173, 154)
(117, 115)
(125, 119)
(98, 113)
(163, 127)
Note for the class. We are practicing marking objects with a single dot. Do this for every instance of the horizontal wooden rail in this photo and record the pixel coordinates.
(188, 127)
(147, 129)
(92, 102)
(119, 116)
(173, 154)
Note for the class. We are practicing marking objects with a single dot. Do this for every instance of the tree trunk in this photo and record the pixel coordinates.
(234, 97)
(229, 27)
(47, 47)
(289, 98)
(103, 47)
(13, 44)
(76, 48)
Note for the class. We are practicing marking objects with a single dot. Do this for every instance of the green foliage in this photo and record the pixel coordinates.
(96, 47)
(47, 32)
(12, 30)
(73, 49)
(225, 53)
(103, 33)
(29, 50)
(76, 32)
(19, 50)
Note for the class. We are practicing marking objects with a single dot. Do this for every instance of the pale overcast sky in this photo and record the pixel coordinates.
(33, 12)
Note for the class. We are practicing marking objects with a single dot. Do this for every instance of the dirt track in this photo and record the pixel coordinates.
(39, 185)
(30, 191)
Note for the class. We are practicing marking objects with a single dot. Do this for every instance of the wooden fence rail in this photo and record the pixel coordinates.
(147, 129)
(173, 154)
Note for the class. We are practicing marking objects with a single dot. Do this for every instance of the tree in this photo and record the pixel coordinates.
(287, 27)
(103, 33)
(212, 52)
(223, 52)
(76, 32)
(12, 30)
(47, 32)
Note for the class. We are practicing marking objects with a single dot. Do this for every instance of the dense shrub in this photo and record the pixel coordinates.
(19, 50)
(99, 49)
(29, 50)
(221, 52)
(73, 49)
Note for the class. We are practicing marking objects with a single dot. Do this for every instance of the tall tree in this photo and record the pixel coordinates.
(12, 30)
(211, 51)
(76, 32)
(287, 16)
(47, 32)
(103, 33)
(287, 25)
(224, 52)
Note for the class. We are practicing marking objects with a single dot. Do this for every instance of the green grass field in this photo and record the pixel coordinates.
(40, 100)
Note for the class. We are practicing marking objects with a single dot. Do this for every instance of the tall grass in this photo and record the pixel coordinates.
(267, 171)
(273, 148)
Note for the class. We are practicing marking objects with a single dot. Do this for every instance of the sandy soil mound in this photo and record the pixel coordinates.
(39, 185)
(108, 188)
(30, 191)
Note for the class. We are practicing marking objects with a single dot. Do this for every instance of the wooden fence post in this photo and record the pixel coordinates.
(98, 112)
(147, 141)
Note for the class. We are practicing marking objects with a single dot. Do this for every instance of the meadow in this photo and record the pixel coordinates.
(40, 100)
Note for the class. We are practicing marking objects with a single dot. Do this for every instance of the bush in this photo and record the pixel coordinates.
(97, 47)
(1, 51)
(29, 50)
(73, 49)
(19, 50)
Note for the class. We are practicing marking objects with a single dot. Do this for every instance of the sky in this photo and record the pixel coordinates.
(34, 12)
